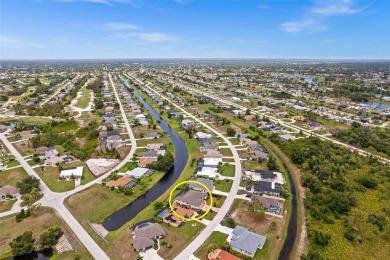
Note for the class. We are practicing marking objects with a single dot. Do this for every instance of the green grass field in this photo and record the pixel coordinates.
(83, 101)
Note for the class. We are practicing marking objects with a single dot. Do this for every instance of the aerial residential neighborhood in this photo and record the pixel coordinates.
(195, 130)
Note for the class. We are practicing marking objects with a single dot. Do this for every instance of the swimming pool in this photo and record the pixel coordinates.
(163, 213)
(143, 225)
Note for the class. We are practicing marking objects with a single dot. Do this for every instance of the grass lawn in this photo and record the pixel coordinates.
(24, 148)
(11, 177)
(42, 219)
(223, 185)
(254, 165)
(217, 238)
(227, 170)
(179, 237)
(218, 201)
(50, 175)
(6, 205)
(83, 100)
(225, 152)
(128, 167)
(12, 163)
(234, 141)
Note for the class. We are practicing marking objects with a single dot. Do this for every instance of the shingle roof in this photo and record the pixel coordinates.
(246, 240)
(151, 231)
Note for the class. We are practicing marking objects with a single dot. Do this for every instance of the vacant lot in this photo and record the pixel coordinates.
(223, 185)
(6, 205)
(11, 177)
(39, 222)
(83, 100)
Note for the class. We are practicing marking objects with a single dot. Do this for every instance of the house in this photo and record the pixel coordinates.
(170, 218)
(152, 135)
(43, 149)
(211, 162)
(210, 146)
(202, 135)
(122, 181)
(207, 182)
(174, 113)
(207, 172)
(150, 154)
(287, 137)
(259, 155)
(249, 117)
(270, 205)
(221, 255)
(247, 142)
(7, 189)
(298, 118)
(143, 162)
(266, 187)
(51, 153)
(75, 172)
(246, 242)
(144, 234)
(315, 125)
(54, 160)
(186, 123)
(265, 175)
(155, 146)
(139, 172)
(191, 199)
(213, 154)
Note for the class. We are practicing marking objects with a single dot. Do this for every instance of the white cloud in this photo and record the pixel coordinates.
(314, 20)
(147, 37)
(335, 7)
(10, 41)
(117, 26)
(307, 25)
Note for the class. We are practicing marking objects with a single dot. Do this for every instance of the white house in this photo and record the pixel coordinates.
(211, 162)
(207, 172)
(67, 174)
(202, 135)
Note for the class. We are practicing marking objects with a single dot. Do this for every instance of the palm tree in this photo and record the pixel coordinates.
(226, 246)
(211, 248)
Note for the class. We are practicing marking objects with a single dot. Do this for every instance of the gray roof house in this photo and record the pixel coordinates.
(145, 233)
(7, 189)
(191, 199)
(246, 242)
(207, 182)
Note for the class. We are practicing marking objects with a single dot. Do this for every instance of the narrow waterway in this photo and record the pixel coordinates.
(293, 223)
(125, 214)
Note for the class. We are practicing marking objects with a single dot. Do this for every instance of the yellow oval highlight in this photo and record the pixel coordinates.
(196, 182)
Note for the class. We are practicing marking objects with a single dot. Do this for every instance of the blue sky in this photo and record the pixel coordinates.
(74, 29)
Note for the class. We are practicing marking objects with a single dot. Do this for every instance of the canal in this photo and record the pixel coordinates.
(125, 214)
(293, 223)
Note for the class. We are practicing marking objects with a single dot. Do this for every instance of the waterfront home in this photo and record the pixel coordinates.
(265, 175)
(207, 182)
(139, 172)
(191, 199)
(265, 187)
(122, 181)
(143, 162)
(167, 216)
(270, 205)
(144, 235)
(246, 242)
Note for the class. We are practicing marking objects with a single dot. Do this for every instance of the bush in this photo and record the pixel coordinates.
(50, 238)
(23, 244)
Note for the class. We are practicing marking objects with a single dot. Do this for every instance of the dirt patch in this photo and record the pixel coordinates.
(173, 239)
(244, 216)
(81, 141)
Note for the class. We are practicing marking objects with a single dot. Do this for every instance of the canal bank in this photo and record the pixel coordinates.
(125, 214)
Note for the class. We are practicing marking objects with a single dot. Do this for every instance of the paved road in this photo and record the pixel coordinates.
(201, 238)
(56, 200)
(289, 125)
(58, 90)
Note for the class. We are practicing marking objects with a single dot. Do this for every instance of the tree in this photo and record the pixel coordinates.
(23, 244)
(27, 184)
(230, 131)
(258, 210)
(50, 238)
(211, 248)
(271, 164)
